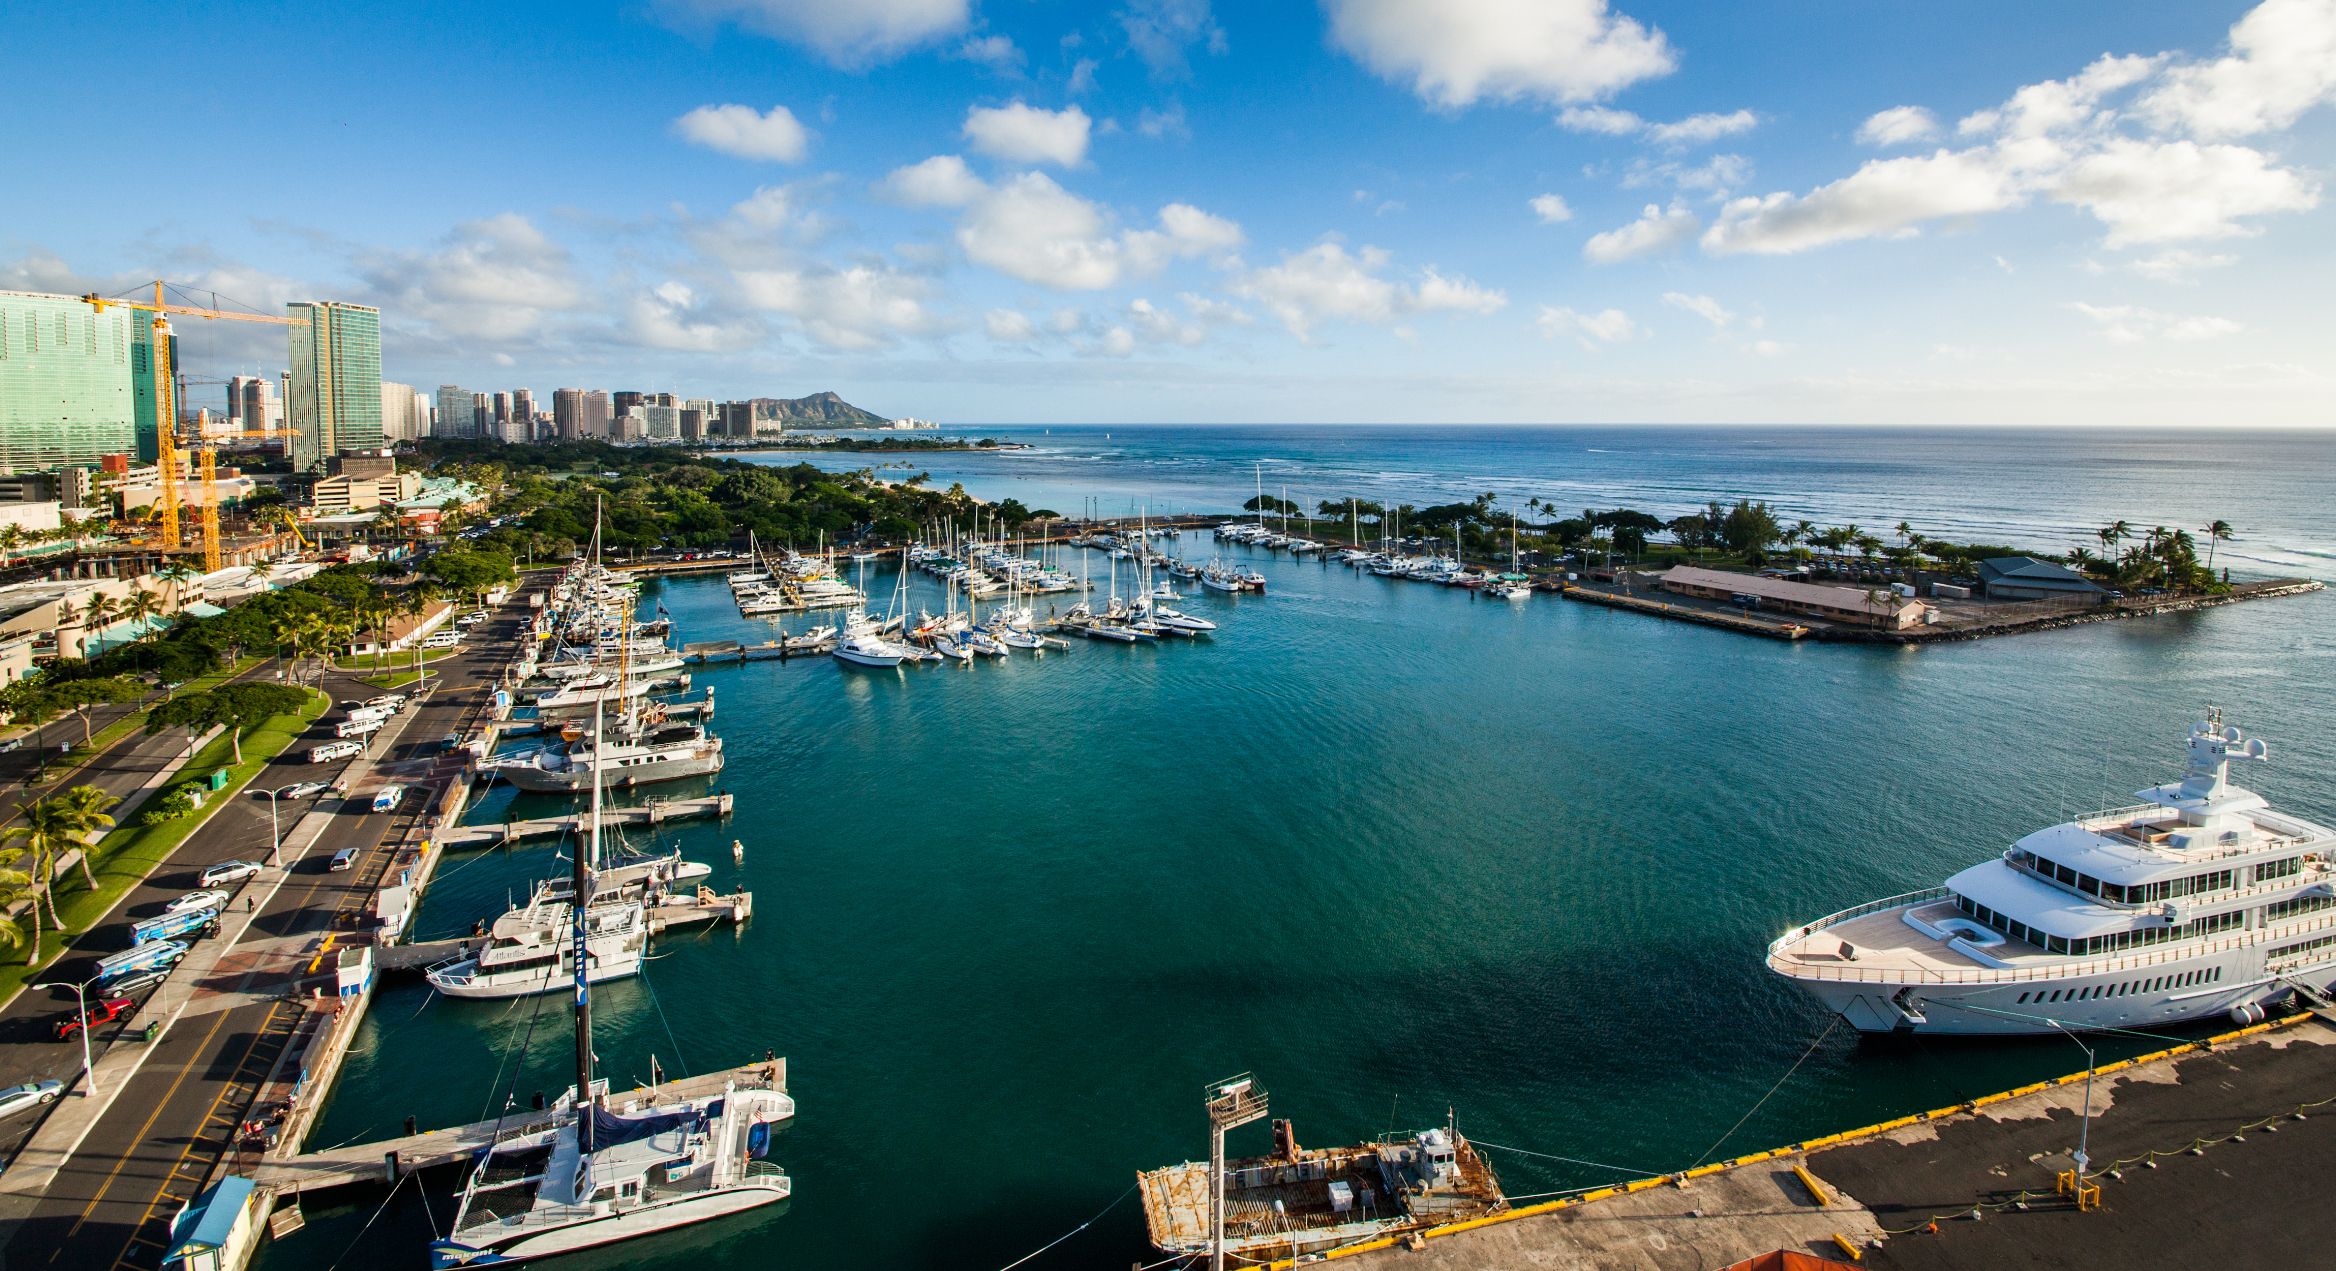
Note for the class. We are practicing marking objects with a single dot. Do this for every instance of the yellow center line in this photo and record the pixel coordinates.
(194, 1141)
(140, 1137)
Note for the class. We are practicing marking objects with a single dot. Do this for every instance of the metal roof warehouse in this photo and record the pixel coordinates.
(1834, 604)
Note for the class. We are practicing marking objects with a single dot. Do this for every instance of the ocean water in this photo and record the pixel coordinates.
(1393, 848)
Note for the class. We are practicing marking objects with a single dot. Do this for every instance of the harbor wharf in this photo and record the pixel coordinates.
(654, 812)
(292, 1173)
(1959, 620)
(2187, 1146)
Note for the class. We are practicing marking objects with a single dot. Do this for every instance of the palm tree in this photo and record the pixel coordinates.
(90, 811)
(142, 607)
(14, 884)
(260, 569)
(2217, 531)
(1906, 533)
(11, 538)
(100, 612)
(45, 828)
(176, 574)
(2113, 533)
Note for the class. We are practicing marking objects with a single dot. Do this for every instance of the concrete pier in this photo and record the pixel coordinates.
(2192, 1149)
(658, 812)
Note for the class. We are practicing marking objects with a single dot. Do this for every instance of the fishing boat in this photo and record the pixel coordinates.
(591, 1174)
(1300, 1201)
(2196, 902)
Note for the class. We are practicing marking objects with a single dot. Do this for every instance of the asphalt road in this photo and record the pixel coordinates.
(111, 1204)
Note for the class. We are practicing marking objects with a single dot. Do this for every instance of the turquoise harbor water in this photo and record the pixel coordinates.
(1394, 848)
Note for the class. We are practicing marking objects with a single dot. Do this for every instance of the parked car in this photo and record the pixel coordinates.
(357, 726)
(332, 750)
(31, 1094)
(388, 798)
(230, 872)
(345, 859)
(191, 924)
(103, 1011)
(304, 789)
(139, 980)
(11, 746)
(394, 701)
(442, 640)
(153, 955)
(197, 900)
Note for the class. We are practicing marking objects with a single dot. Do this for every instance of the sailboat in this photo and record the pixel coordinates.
(596, 1175)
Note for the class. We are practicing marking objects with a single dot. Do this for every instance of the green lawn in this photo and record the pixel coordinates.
(127, 855)
(395, 679)
(134, 721)
(391, 661)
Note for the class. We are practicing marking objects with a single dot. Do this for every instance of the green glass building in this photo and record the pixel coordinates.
(335, 402)
(67, 373)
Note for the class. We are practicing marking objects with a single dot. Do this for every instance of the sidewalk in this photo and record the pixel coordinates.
(61, 1133)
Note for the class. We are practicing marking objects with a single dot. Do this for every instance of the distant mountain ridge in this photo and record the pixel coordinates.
(819, 408)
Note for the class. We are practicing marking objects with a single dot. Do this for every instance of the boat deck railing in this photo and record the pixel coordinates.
(2057, 969)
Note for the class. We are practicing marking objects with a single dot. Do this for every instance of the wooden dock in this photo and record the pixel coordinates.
(656, 812)
(1750, 625)
(703, 907)
(290, 1174)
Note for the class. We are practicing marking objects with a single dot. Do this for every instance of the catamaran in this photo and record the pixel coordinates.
(2197, 901)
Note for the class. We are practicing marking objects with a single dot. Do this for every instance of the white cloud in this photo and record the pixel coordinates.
(672, 316)
(2133, 324)
(2282, 63)
(856, 34)
(994, 51)
(1082, 80)
(1009, 326)
(1694, 130)
(1604, 120)
(1657, 229)
(2178, 264)
(1159, 326)
(1717, 175)
(1551, 209)
(1885, 196)
(856, 308)
(1213, 311)
(742, 131)
(1032, 229)
(1167, 121)
(1328, 283)
(1704, 307)
(1898, 126)
(1029, 134)
(1454, 53)
(1607, 326)
(1115, 342)
(941, 181)
(493, 279)
(2164, 191)
(1161, 31)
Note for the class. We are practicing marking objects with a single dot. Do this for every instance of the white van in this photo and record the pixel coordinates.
(332, 750)
(358, 726)
(442, 640)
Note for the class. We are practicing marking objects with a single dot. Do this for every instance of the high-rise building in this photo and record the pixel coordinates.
(400, 420)
(693, 424)
(621, 402)
(235, 385)
(523, 405)
(454, 415)
(152, 360)
(335, 403)
(737, 419)
(261, 412)
(482, 418)
(65, 381)
(580, 412)
(658, 422)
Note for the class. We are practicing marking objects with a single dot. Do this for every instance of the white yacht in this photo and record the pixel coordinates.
(529, 950)
(2197, 902)
(667, 752)
(591, 1174)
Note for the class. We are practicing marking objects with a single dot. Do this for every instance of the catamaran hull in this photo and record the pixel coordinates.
(591, 1233)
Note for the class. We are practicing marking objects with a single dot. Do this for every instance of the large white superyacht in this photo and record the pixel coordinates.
(2199, 901)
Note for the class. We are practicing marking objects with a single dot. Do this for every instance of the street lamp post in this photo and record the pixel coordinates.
(2084, 1127)
(81, 1003)
(275, 832)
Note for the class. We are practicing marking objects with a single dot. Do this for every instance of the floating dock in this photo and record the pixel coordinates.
(290, 1174)
(657, 812)
(704, 906)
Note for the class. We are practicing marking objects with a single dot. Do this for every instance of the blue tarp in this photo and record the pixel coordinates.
(208, 1222)
(609, 1129)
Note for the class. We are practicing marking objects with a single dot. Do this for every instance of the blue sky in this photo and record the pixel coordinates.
(1361, 210)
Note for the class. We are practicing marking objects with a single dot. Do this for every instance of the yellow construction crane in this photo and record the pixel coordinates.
(166, 527)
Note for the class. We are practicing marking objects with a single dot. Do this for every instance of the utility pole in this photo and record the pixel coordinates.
(1231, 1103)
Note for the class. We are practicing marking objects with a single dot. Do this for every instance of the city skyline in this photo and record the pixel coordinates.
(1481, 211)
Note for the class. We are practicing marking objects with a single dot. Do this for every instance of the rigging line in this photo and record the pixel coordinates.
(1788, 1076)
(654, 1001)
(1571, 1160)
(360, 1238)
(1131, 1188)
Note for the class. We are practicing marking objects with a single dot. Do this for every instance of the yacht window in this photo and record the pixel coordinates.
(2023, 1000)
